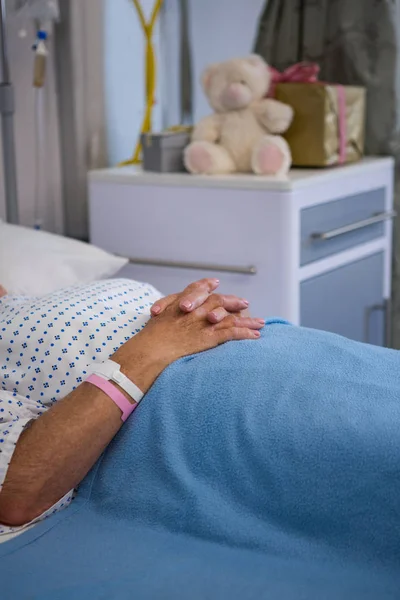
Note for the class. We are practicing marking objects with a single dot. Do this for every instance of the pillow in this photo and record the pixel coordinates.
(34, 262)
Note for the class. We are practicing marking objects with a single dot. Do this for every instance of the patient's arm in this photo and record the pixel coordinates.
(55, 453)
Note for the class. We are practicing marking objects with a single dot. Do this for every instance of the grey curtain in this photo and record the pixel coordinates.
(354, 42)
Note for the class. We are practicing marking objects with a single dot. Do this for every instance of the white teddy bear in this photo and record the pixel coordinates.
(241, 136)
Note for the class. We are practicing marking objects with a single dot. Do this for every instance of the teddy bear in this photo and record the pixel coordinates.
(243, 133)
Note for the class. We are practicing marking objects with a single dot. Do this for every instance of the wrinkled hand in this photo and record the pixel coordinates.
(174, 334)
(195, 295)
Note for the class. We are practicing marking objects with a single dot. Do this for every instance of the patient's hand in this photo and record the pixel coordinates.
(174, 334)
(196, 294)
(3, 292)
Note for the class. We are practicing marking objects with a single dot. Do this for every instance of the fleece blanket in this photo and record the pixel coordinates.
(263, 469)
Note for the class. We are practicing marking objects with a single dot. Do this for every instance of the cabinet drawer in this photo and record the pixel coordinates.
(348, 301)
(241, 231)
(341, 224)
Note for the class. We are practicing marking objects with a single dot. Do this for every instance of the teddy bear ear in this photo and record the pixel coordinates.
(206, 76)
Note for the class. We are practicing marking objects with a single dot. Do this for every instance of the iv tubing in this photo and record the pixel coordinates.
(39, 77)
(39, 155)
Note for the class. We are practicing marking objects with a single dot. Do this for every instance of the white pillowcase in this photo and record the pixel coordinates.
(34, 262)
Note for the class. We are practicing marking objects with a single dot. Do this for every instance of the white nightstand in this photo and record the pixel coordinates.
(314, 248)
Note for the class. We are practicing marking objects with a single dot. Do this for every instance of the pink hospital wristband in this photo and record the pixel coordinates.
(114, 394)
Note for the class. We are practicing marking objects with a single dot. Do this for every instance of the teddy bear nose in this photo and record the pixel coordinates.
(235, 95)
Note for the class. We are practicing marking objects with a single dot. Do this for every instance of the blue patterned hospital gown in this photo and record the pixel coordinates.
(47, 345)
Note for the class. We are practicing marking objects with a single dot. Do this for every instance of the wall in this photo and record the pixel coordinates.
(219, 29)
(124, 76)
(21, 71)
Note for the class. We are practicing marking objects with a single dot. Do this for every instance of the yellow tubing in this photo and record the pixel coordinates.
(151, 75)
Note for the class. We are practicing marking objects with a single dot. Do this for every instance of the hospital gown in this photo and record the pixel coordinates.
(47, 347)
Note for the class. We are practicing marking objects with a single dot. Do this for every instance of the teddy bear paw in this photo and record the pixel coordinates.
(206, 158)
(198, 159)
(271, 156)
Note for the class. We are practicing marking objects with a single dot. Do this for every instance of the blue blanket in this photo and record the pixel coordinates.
(266, 469)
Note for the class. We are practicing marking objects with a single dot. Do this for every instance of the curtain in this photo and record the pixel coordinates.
(79, 44)
(47, 200)
(355, 43)
(74, 129)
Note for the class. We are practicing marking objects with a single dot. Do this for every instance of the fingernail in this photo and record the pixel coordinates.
(155, 310)
(246, 302)
(261, 321)
(216, 281)
(257, 334)
(213, 316)
(186, 305)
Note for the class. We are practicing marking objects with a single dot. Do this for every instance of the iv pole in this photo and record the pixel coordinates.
(7, 109)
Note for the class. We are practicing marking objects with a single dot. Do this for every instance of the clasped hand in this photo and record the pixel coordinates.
(182, 324)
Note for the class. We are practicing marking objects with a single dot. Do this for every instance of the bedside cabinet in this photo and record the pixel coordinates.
(314, 248)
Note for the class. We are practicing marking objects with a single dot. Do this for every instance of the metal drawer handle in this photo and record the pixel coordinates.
(195, 266)
(378, 218)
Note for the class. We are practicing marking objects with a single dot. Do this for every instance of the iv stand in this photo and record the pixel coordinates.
(7, 109)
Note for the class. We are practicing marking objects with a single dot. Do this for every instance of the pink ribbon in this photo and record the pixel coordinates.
(305, 72)
(302, 72)
(342, 123)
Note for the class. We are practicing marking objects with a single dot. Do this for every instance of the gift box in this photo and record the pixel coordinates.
(328, 127)
(163, 152)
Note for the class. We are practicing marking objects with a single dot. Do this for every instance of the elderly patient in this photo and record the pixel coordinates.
(53, 424)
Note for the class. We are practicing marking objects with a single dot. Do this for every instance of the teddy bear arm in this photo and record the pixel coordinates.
(275, 116)
(207, 130)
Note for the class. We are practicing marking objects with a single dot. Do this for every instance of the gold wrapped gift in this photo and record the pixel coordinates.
(328, 128)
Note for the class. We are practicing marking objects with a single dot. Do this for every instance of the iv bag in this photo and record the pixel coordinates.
(39, 10)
